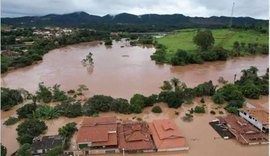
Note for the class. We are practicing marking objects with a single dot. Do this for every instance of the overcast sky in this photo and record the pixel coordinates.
(201, 8)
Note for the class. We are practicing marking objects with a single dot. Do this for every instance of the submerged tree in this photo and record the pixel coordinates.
(88, 59)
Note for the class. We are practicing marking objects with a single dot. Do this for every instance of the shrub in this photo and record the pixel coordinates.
(156, 109)
(10, 98)
(232, 109)
(188, 117)
(199, 109)
(212, 112)
(218, 98)
(11, 121)
(26, 111)
(29, 129)
(202, 100)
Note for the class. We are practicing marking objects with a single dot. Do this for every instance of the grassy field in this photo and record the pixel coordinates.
(183, 39)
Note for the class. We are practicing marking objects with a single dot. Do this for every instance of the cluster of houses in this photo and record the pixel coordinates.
(249, 126)
(49, 32)
(102, 135)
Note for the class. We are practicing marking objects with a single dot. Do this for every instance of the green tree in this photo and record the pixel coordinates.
(138, 100)
(26, 111)
(204, 39)
(44, 94)
(199, 109)
(70, 109)
(166, 86)
(68, 130)
(3, 150)
(156, 109)
(58, 95)
(56, 151)
(24, 150)
(120, 105)
(29, 129)
(218, 98)
(10, 98)
(46, 112)
(11, 121)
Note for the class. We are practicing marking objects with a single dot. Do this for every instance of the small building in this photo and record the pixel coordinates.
(42, 144)
(244, 132)
(259, 117)
(135, 137)
(98, 135)
(167, 136)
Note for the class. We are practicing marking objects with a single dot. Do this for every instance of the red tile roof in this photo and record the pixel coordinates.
(243, 130)
(135, 136)
(166, 134)
(101, 131)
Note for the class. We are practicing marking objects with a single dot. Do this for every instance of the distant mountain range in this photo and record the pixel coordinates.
(84, 19)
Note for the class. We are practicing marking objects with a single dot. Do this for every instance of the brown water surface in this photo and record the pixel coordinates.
(119, 76)
(121, 72)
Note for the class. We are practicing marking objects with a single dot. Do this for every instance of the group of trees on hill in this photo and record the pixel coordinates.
(207, 51)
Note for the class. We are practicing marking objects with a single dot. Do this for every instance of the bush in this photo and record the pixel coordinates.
(232, 109)
(10, 98)
(199, 109)
(68, 130)
(204, 39)
(44, 94)
(108, 42)
(56, 151)
(26, 111)
(212, 112)
(138, 100)
(218, 98)
(24, 150)
(173, 99)
(156, 109)
(11, 121)
(3, 150)
(29, 129)
(188, 117)
(202, 100)
(70, 109)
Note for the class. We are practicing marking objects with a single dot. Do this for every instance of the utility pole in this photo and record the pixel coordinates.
(230, 25)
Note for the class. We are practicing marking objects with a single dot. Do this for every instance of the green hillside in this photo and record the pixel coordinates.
(183, 39)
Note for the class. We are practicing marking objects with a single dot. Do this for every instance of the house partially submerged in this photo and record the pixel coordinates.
(244, 132)
(98, 135)
(135, 137)
(43, 144)
(167, 136)
(259, 117)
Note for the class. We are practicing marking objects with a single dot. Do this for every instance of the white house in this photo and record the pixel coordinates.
(256, 116)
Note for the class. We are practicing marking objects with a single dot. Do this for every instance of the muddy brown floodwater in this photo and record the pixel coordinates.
(121, 72)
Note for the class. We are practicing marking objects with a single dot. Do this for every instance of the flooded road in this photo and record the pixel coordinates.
(122, 72)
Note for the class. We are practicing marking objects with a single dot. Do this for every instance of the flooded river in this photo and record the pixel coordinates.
(120, 72)
(123, 71)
